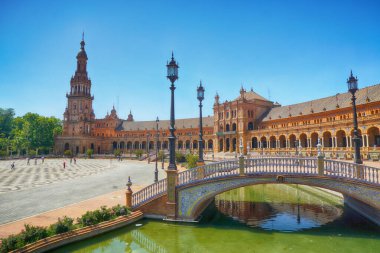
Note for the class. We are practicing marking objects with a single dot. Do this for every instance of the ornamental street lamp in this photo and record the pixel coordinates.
(172, 75)
(200, 96)
(156, 170)
(147, 147)
(352, 83)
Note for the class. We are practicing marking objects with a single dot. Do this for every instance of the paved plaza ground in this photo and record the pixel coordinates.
(33, 189)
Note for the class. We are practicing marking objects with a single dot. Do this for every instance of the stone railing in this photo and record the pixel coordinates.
(209, 171)
(149, 192)
(285, 165)
(354, 171)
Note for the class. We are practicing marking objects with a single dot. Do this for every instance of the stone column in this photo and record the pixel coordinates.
(171, 194)
(241, 165)
(321, 165)
(367, 142)
(350, 141)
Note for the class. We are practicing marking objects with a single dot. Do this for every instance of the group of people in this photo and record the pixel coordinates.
(35, 160)
(13, 166)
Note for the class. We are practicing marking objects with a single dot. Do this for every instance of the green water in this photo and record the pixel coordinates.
(263, 218)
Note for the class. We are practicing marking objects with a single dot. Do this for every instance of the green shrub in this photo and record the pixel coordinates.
(161, 155)
(9, 244)
(61, 226)
(32, 152)
(31, 234)
(191, 160)
(180, 158)
(3, 153)
(68, 153)
(138, 153)
(34, 233)
(120, 210)
(117, 152)
(89, 153)
(95, 217)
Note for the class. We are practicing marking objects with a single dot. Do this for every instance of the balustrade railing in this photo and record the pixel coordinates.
(281, 165)
(354, 171)
(209, 171)
(149, 192)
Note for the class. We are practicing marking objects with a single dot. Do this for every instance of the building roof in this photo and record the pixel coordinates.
(164, 124)
(251, 95)
(365, 95)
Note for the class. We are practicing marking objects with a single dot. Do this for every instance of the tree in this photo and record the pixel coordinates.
(6, 119)
(191, 161)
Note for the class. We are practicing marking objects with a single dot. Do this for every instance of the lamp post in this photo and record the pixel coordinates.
(147, 147)
(172, 75)
(156, 169)
(200, 96)
(352, 83)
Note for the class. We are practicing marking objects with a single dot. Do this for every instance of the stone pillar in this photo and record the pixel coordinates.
(367, 142)
(321, 165)
(347, 141)
(128, 194)
(350, 141)
(241, 165)
(171, 194)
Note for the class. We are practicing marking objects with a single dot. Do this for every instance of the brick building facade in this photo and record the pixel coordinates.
(250, 121)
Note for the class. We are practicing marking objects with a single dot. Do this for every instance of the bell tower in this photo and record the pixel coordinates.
(79, 115)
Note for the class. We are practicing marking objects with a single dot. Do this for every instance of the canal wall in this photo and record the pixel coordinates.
(367, 211)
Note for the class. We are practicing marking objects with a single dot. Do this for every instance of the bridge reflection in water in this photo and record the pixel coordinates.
(280, 207)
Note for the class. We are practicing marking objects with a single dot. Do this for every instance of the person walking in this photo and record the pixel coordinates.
(12, 165)
(64, 164)
(43, 159)
(75, 160)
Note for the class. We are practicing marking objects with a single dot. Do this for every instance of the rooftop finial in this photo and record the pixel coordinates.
(82, 42)
(172, 55)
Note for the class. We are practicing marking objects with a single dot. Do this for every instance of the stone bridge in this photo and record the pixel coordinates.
(183, 196)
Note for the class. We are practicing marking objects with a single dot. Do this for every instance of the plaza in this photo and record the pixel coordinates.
(33, 189)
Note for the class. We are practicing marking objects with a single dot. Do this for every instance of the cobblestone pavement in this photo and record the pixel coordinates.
(32, 189)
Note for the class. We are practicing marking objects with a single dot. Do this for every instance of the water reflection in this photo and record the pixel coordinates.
(280, 207)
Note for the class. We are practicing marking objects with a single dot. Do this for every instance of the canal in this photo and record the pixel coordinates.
(260, 218)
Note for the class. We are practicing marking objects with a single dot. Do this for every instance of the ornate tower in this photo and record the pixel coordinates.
(79, 115)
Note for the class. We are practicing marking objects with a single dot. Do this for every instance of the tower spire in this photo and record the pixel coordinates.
(82, 43)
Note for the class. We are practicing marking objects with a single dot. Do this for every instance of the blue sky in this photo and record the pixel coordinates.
(292, 51)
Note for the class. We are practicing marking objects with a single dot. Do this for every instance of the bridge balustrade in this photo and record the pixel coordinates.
(208, 172)
(281, 165)
(354, 171)
(149, 192)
